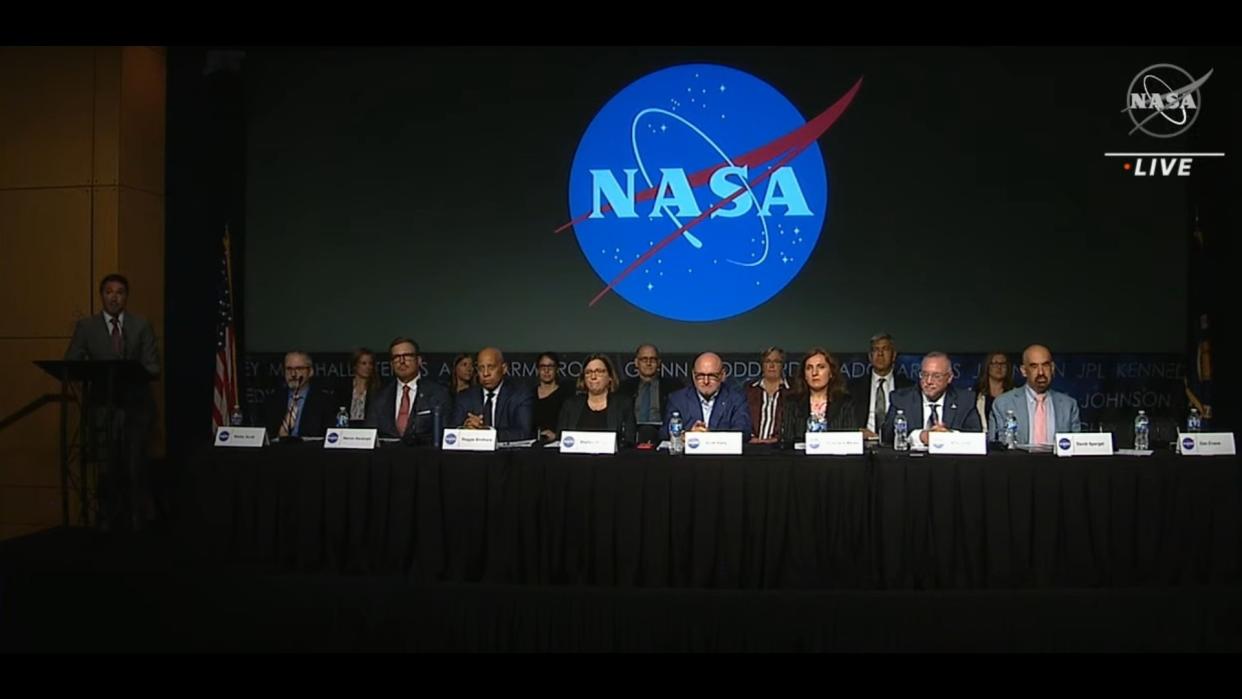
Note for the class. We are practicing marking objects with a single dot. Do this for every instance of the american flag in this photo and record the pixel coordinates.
(225, 392)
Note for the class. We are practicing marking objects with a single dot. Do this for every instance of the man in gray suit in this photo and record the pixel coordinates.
(1041, 411)
(115, 333)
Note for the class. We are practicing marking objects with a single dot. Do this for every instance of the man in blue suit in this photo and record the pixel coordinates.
(934, 405)
(709, 405)
(504, 405)
(1041, 411)
(405, 408)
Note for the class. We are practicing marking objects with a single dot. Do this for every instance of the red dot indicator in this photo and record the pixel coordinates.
(1126, 166)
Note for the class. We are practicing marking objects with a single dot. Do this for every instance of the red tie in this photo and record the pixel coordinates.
(403, 415)
(1039, 431)
(118, 345)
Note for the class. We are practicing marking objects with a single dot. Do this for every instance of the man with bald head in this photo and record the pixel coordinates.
(496, 402)
(708, 404)
(1041, 411)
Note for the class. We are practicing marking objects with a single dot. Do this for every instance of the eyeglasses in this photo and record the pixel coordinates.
(934, 375)
(404, 357)
(596, 372)
(647, 360)
(707, 378)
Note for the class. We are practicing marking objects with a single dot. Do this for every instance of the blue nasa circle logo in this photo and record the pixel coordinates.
(224, 436)
(333, 437)
(1188, 444)
(693, 442)
(692, 201)
(450, 439)
(568, 442)
(1064, 443)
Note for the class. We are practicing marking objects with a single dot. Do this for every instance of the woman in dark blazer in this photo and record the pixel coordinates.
(596, 408)
(819, 389)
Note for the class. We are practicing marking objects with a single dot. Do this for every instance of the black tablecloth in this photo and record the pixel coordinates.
(758, 521)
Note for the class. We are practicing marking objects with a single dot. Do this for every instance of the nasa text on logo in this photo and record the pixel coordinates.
(1188, 444)
(1063, 443)
(568, 442)
(333, 437)
(1163, 101)
(693, 442)
(450, 439)
(224, 435)
(700, 176)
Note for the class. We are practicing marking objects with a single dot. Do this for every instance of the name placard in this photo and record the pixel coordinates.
(1084, 444)
(713, 442)
(1205, 444)
(350, 438)
(834, 443)
(576, 442)
(957, 443)
(241, 436)
(457, 439)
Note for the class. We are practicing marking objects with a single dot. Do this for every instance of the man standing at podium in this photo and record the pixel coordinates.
(115, 333)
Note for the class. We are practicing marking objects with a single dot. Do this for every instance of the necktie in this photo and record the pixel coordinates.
(644, 402)
(118, 344)
(291, 416)
(1039, 431)
(933, 418)
(487, 410)
(403, 413)
(881, 406)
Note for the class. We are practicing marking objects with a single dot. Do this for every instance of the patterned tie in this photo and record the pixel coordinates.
(881, 406)
(933, 418)
(487, 410)
(1039, 431)
(291, 416)
(403, 413)
(118, 343)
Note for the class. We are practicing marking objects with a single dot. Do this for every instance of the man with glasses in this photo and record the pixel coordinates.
(298, 408)
(934, 405)
(1041, 411)
(496, 403)
(873, 391)
(649, 392)
(709, 405)
(404, 409)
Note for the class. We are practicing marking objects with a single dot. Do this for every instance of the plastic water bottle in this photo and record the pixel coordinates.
(901, 432)
(816, 424)
(1140, 431)
(342, 417)
(235, 418)
(437, 426)
(1194, 423)
(1011, 430)
(676, 436)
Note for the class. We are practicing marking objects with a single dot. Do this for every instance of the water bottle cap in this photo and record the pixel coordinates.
(1142, 412)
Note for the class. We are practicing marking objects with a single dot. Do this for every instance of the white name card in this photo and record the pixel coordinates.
(1205, 444)
(350, 438)
(1084, 444)
(713, 442)
(469, 440)
(574, 442)
(241, 436)
(957, 443)
(834, 443)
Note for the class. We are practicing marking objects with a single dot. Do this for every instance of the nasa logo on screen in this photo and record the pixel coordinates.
(699, 192)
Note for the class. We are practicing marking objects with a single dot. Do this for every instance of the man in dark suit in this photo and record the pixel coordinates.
(115, 333)
(299, 408)
(406, 408)
(504, 405)
(709, 405)
(872, 391)
(648, 391)
(934, 405)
